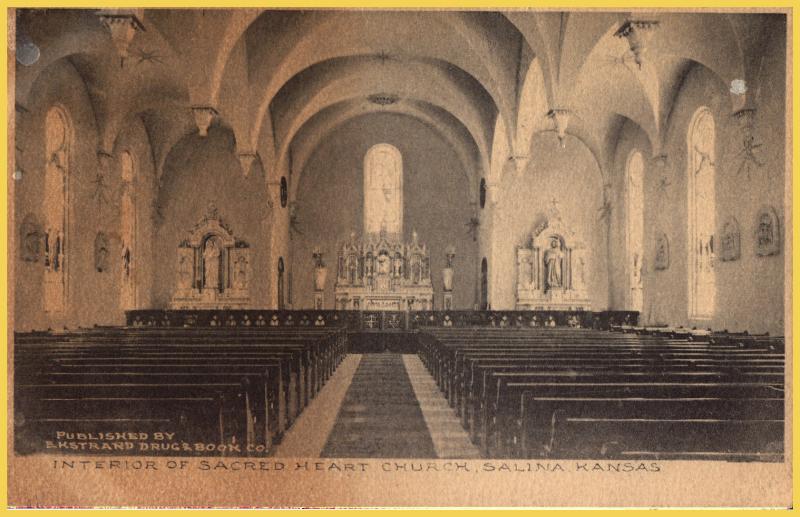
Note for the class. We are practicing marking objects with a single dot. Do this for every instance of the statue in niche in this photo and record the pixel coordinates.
(240, 273)
(370, 265)
(662, 253)
(398, 266)
(767, 233)
(101, 252)
(552, 264)
(31, 239)
(581, 267)
(384, 265)
(211, 255)
(352, 267)
(730, 241)
(185, 272)
(415, 272)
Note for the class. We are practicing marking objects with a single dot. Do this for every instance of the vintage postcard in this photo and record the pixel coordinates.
(399, 258)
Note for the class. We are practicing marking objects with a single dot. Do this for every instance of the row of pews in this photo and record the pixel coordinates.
(228, 391)
(633, 394)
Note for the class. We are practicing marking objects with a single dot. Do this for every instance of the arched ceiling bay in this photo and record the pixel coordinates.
(274, 76)
(316, 129)
(334, 81)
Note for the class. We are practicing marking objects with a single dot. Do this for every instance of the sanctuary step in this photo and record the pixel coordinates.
(380, 416)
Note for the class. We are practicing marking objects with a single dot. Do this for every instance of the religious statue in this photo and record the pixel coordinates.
(662, 253)
(101, 252)
(240, 273)
(352, 267)
(767, 233)
(185, 272)
(384, 265)
(398, 266)
(552, 261)
(211, 255)
(730, 241)
(415, 272)
(31, 237)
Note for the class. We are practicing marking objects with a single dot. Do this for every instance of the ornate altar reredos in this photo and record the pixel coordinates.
(213, 267)
(379, 273)
(553, 268)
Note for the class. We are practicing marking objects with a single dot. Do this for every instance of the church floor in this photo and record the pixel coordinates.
(378, 406)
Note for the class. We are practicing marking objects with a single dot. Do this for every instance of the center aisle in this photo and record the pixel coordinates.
(380, 416)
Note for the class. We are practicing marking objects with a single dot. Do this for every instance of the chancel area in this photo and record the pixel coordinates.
(511, 234)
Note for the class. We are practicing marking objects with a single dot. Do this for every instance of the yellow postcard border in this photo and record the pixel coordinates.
(5, 109)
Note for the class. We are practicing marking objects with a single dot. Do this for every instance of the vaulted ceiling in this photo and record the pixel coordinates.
(283, 80)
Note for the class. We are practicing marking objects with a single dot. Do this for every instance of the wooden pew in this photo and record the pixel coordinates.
(231, 386)
(518, 390)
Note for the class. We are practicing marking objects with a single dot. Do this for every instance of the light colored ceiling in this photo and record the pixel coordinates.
(283, 80)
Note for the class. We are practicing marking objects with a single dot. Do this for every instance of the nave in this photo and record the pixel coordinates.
(514, 392)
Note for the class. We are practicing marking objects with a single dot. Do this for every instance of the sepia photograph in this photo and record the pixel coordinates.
(399, 257)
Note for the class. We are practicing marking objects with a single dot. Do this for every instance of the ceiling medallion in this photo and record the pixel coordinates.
(383, 99)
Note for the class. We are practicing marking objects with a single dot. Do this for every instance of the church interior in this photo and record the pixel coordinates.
(345, 233)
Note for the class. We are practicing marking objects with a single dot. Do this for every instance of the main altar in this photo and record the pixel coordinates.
(380, 270)
(213, 267)
(377, 273)
(552, 267)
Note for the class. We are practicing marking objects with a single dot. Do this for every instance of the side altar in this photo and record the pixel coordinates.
(383, 273)
(213, 267)
(552, 267)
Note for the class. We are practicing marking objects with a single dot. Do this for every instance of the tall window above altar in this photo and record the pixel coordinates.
(383, 191)
(634, 215)
(127, 231)
(58, 139)
(702, 214)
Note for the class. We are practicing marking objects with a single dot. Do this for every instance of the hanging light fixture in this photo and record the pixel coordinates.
(123, 25)
(638, 33)
(560, 117)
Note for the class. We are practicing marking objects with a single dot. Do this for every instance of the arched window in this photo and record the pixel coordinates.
(383, 191)
(58, 139)
(483, 192)
(702, 214)
(128, 232)
(634, 217)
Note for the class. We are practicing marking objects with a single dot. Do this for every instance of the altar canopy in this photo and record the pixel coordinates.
(552, 269)
(213, 267)
(379, 271)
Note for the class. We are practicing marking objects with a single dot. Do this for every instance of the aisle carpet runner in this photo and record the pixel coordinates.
(380, 416)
